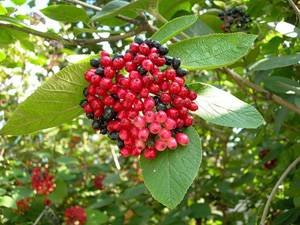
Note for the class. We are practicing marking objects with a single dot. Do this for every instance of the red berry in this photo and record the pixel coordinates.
(106, 61)
(160, 61)
(174, 88)
(192, 95)
(164, 86)
(182, 139)
(147, 79)
(169, 124)
(172, 143)
(131, 96)
(172, 112)
(136, 151)
(138, 59)
(122, 114)
(170, 74)
(127, 104)
(105, 83)
(140, 145)
(125, 82)
(193, 106)
(161, 116)
(104, 53)
(179, 80)
(223, 27)
(117, 125)
(149, 103)
(88, 108)
(160, 145)
(125, 123)
(132, 113)
(126, 151)
(144, 49)
(97, 104)
(188, 120)
(88, 75)
(150, 153)
(98, 112)
(153, 57)
(134, 48)
(179, 122)
(124, 134)
(128, 57)
(158, 77)
(139, 122)
(121, 93)
(108, 100)
(165, 134)
(91, 89)
(144, 92)
(136, 84)
(118, 63)
(134, 131)
(95, 79)
(147, 64)
(150, 116)
(138, 105)
(155, 69)
(109, 72)
(153, 50)
(178, 102)
(155, 127)
(113, 89)
(129, 142)
(117, 106)
(130, 66)
(154, 88)
(143, 134)
(186, 102)
(134, 74)
(101, 91)
(183, 92)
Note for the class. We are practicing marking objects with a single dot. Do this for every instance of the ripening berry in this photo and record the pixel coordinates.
(143, 134)
(140, 145)
(150, 153)
(165, 134)
(160, 145)
(172, 143)
(182, 139)
(155, 127)
(139, 122)
(169, 124)
(161, 116)
(150, 116)
(126, 151)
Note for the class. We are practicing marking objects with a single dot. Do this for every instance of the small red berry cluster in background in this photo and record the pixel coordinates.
(270, 164)
(144, 110)
(42, 182)
(234, 20)
(47, 202)
(23, 205)
(75, 215)
(98, 181)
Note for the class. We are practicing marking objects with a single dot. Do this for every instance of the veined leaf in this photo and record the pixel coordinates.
(284, 28)
(116, 7)
(172, 28)
(171, 173)
(219, 107)
(212, 51)
(55, 102)
(282, 85)
(66, 13)
(275, 62)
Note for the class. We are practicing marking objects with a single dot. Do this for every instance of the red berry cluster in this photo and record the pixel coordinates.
(98, 181)
(75, 215)
(47, 202)
(271, 163)
(22, 206)
(42, 182)
(145, 109)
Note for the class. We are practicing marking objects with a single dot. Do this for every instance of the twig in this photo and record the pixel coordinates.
(295, 8)
(291, 128)
(40, 216)
(3, 147)
(115, 158)
(96, 8)
(266, 209)
(76, 41)
(264, 92)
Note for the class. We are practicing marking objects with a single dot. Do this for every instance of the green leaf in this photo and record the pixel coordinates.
(171, 173)
(199, 28)
(3, 10)
(212, 51)
(200, 210)
(284, 28)
(220, 4)
(296, 201)
(55, 102)
(67, 160)
(219, 107)
(133, 192)
(275, 62)
(172, 28)
(111, 179)
(95, 217)
(21, 192)
(60, 192)
(2, 55)
(2, 191)
(213, 22)
(116, 7)
(8, 202)
(18, 2)
(102, 202)
(66, 13)
(282, 85)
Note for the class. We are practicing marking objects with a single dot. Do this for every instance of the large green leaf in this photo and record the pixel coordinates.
(18, 2)
(95, 217)
(219, 107)
(8, 202)
(282, 85)
(275, 62)
(3, 10)
(116, 7)
(60, 192)
(171, 173)
(284, 28)
(65, 13)
(212, 51)
(55, 102)
(172, 28)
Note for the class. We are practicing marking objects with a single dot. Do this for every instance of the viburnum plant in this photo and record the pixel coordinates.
(139, 98)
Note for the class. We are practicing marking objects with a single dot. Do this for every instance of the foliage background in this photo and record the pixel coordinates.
(232, 185)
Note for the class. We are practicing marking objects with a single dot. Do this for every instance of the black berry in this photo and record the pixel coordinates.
(168, 60)
(103, 131)
(120, 143)
(138, 39)
(108, 114)
(117, 55)
(181, 72)
(95, 62)
(149, 42)
(83, 103)
(142, 71)
(156, 44)
(176, 62)
(113, 135)
(161, 107)
(85, 92)
(163, 50)
(100, 71)
(90, 116)
(96, 125)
